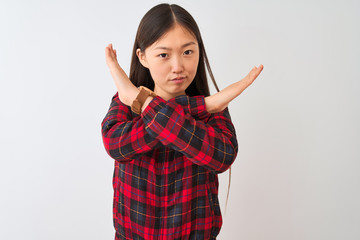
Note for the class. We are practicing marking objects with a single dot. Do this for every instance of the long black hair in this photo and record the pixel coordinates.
(155, 23)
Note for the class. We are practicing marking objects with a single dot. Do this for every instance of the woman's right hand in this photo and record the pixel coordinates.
(220, 100)
(127, 91)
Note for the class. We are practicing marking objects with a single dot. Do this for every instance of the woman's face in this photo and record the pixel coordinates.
(172, 61)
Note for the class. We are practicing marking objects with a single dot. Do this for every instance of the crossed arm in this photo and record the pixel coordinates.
(214, 103)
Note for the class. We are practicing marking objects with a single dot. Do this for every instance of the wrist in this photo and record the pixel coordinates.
(210, 104)
(142, 99)
(146, 103)
(128, 95)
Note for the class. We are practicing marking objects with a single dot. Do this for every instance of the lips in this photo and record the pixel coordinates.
(178, 79)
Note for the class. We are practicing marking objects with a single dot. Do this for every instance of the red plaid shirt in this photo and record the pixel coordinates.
(167, 160)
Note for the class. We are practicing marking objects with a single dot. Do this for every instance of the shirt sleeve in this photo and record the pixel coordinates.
(210, 142)
(123, 133)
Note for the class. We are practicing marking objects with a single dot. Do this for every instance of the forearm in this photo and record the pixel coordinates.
(211, 143)
(146, 103)
(126, 89)
(124, 138)
(220, 100)
(232, 91)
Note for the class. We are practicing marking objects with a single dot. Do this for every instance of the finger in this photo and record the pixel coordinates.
(257, 70)
(107, 51)
(254, 73)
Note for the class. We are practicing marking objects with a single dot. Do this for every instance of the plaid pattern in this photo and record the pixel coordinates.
(167, 160)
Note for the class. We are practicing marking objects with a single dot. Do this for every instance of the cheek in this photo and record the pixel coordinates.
(192, 66)
(158, 70)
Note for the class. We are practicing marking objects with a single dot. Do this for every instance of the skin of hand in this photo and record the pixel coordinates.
(127, 91)
(214, 103)
(220, 100)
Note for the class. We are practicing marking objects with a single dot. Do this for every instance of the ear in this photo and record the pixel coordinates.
(142, 58)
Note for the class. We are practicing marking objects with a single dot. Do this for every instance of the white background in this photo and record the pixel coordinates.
(297, 172)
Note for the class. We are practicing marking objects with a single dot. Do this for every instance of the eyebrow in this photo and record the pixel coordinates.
(184, 45)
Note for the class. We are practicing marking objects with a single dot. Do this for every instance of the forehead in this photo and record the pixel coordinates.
(175, 37)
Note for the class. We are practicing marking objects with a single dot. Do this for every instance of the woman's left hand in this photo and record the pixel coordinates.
(220, 100)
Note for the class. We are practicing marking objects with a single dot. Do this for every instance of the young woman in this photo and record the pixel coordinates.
(171, 138)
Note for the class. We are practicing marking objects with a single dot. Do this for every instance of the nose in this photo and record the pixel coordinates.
(177, 65)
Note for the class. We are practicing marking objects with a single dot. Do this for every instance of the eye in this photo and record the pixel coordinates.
(163, 55)
(188, 52)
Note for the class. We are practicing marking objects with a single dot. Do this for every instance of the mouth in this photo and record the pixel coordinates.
(178, 79)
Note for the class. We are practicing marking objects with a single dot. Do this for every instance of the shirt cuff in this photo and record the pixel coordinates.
(195, 105)
(154, 107)
(198, 107)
